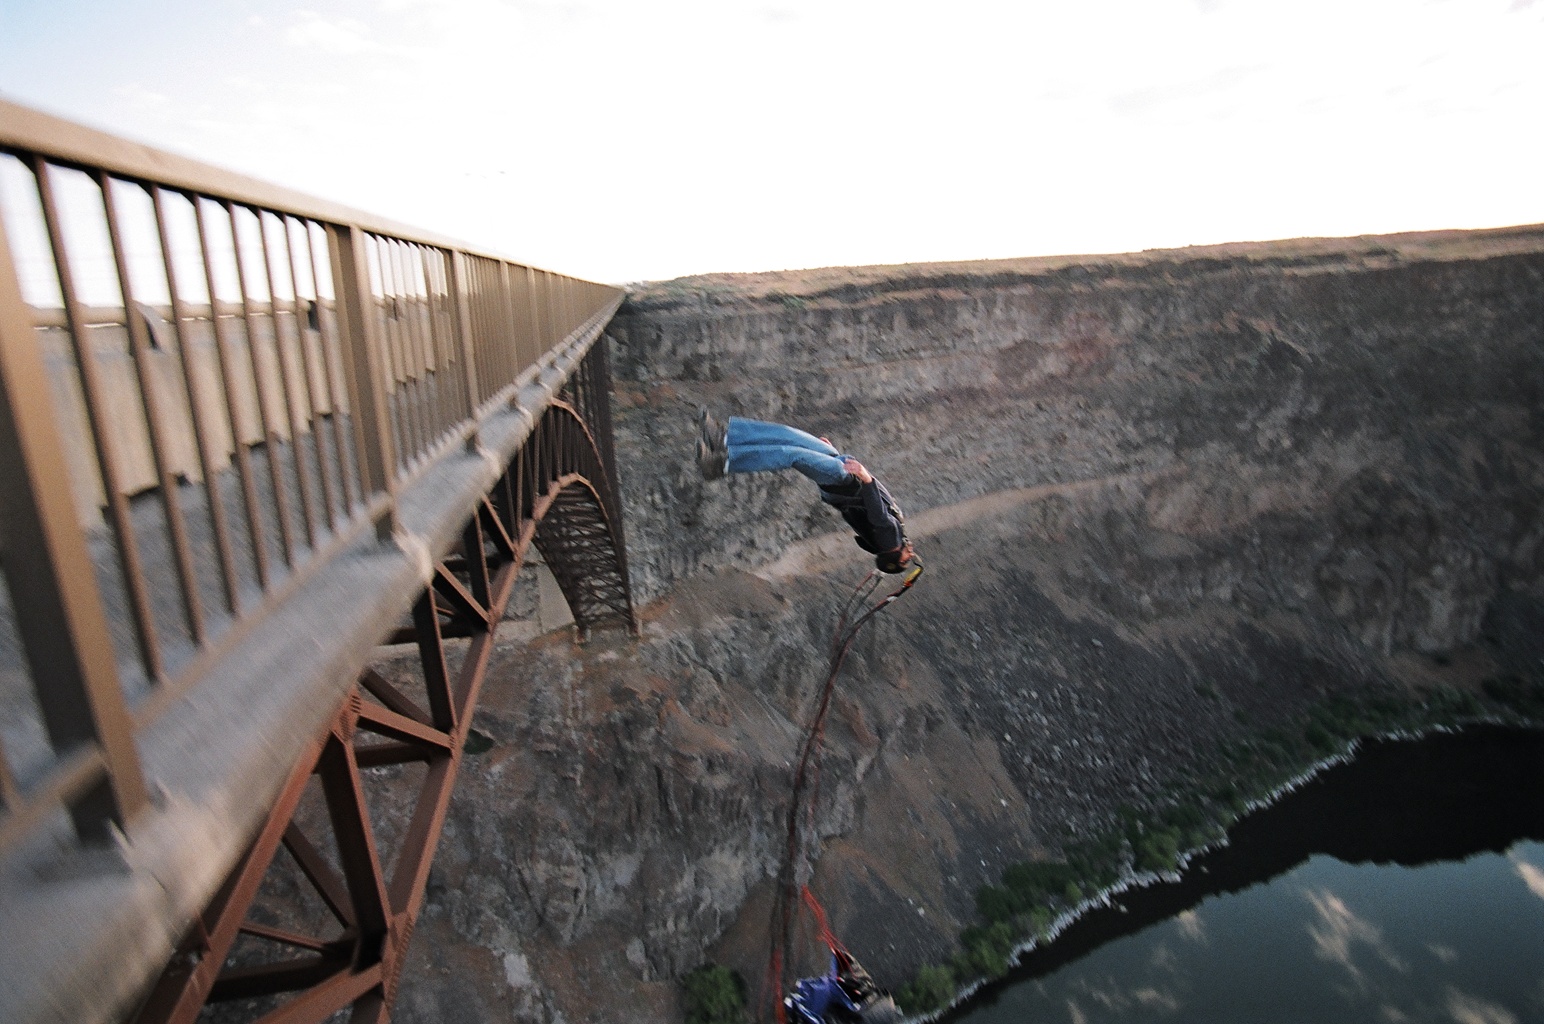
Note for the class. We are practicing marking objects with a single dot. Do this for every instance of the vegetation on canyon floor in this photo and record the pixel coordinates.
(1033, 895)
(714, 995)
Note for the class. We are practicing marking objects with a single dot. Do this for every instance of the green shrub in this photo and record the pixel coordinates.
(930, 990)
(996, 903)
(714, 995)
(988, 960)
(1033, 882)
(1158, 851)
(1387, 709)
(1096, 862)
(1320, 738)
(1185, 815)
(1445, 702)
(1513, 692)
(961, 967)
(986, 950)
(1345, 718)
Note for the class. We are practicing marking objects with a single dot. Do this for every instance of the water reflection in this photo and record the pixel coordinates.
(1531, 874)
(1393, 889)
(1337, 929)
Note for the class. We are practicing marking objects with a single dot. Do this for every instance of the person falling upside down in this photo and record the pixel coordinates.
(754, 446)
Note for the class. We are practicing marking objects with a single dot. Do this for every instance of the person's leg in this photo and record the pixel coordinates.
(767, 458)
(759, 432)
(759, 447)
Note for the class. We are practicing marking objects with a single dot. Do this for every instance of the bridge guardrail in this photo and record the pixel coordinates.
(209, 386)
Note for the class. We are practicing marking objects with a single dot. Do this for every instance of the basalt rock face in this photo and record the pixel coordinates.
(1165, 500)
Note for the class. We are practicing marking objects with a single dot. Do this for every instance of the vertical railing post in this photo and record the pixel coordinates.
(461, 325)
(365, 367)
(533, 309)
(553, 314)
(54, 591)
(507, 342)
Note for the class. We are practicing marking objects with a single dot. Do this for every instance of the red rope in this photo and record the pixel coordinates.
(823, 926)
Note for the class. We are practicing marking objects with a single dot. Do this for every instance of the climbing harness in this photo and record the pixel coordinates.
(806, 792)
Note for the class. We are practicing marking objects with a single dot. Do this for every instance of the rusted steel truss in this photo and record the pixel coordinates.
(365, 884)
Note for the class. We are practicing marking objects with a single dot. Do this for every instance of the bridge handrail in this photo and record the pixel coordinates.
(167, 476)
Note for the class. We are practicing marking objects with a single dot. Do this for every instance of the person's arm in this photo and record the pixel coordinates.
(887, 535)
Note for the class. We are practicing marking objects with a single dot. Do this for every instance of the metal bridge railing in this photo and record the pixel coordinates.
(208, 387)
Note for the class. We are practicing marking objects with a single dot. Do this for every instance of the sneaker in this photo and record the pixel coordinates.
(709, 429)
(710, 463)
(712, 448)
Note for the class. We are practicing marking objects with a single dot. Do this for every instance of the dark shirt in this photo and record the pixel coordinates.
(871, 512)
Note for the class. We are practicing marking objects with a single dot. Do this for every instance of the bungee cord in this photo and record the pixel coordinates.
(806, 792)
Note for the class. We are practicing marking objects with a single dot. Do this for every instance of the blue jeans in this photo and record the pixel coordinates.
(758, 447)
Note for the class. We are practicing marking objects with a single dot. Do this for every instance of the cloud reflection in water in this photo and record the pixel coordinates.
(1338, 929)
(1531, 874)
(1467, 1009)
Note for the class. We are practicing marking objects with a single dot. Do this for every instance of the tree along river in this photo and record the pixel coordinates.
(1404, 886)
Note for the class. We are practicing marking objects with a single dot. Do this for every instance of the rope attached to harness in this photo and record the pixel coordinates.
(806, 791)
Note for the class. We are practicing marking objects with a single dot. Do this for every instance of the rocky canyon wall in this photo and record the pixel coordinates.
(1166, 500)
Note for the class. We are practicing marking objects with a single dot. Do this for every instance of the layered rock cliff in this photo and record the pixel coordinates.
(1165, 500)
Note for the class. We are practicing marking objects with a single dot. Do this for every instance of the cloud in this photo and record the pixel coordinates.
(472, 11)
(339, 35)
(1192, 927)
(1221, 82)
(140, 97)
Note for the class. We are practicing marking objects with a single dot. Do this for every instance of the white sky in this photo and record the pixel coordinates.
(640, 139)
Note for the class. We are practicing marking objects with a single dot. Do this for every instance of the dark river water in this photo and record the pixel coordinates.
(1404, 886)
